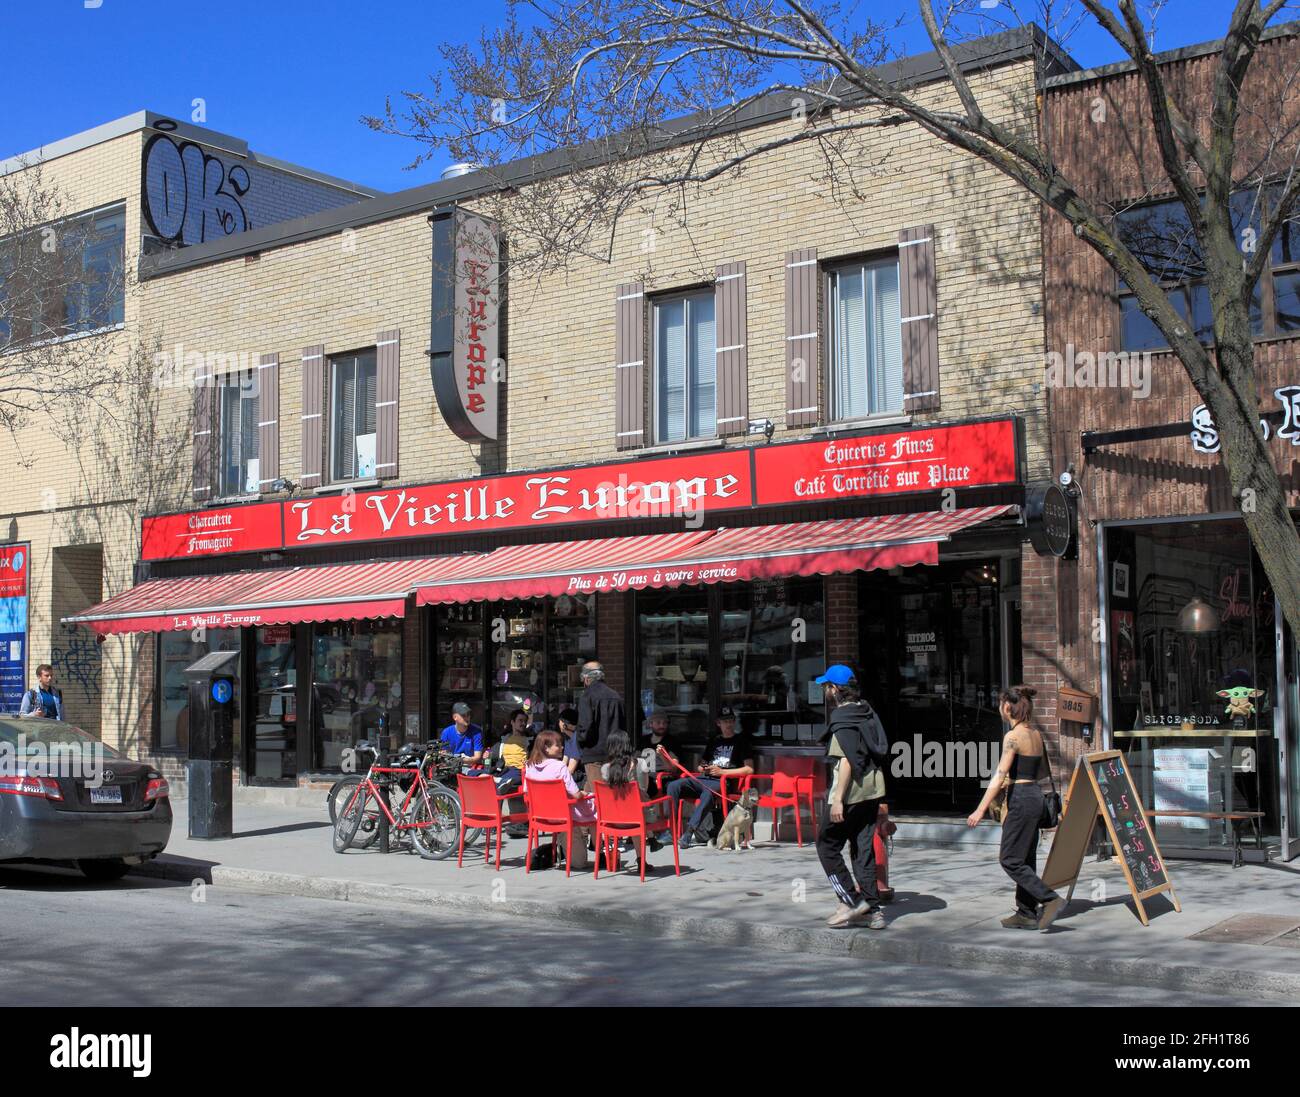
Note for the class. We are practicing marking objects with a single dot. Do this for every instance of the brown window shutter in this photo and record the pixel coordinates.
(313, 422)
(629, 367)
(205, 437)
(268, 427)
(802, 355)
(388, 359)
(918, 309)
(732, 353)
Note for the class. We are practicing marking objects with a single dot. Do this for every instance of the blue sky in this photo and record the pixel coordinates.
(293, 77)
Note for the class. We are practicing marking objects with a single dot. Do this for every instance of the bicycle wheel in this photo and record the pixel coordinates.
(368, 831)
(349, 818)
(436, 818)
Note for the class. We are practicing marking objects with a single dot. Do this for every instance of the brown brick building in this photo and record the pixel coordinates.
(1166, 605)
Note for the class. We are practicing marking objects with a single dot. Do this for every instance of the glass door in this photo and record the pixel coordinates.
(273, 746)
(931, 654)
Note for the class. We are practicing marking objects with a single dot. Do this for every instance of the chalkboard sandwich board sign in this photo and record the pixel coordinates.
(1103, 785)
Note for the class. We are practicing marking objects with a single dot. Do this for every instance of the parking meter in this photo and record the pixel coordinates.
(212, 681)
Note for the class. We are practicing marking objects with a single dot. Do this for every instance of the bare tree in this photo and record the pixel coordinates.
(133, 459)
(649, 97)
(63, 277)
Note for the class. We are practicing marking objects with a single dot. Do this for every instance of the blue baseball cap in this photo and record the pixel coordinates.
(837, 675)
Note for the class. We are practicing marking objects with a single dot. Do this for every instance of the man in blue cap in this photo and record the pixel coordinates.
(857, 747)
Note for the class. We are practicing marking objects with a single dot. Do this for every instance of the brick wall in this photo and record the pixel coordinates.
(842, 619)
(611, 643)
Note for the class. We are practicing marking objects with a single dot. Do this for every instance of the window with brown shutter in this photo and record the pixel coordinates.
(268, 426)
(313, 402)
(387, 392)
(629, 366)
(801, 338)
(731, 351)
(918, 307)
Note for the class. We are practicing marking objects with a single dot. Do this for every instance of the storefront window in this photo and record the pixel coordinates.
(1193, 675)
(674, 637)
(753, 646)
(773, 644)
(356, 686)
(532, 652)
(176, 651)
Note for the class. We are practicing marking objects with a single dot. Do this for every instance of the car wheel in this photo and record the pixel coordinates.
(104, 869)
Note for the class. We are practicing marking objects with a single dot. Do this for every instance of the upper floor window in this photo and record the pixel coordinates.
(865, 349)
(1160, 235)
(352, 416)
(63, 278)
(238, 406)
(685, 368)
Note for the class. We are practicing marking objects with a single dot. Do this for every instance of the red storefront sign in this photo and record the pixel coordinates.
(904, 462)
(252, 528)
(649, 489)
(13, 570)
(899, 463)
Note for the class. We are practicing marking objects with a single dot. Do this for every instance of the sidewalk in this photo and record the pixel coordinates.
(946, 912)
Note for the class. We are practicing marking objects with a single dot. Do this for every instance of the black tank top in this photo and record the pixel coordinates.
(1035, 768)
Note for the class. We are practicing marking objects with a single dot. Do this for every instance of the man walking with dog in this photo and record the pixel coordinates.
(857, 747)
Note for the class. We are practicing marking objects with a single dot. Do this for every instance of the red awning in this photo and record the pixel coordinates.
(717, 556)
(282, 597)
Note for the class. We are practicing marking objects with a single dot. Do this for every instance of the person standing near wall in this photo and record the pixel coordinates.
(600, 713)
(44, 700)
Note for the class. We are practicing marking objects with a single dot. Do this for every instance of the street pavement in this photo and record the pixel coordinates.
(774, 899)
(148, 941)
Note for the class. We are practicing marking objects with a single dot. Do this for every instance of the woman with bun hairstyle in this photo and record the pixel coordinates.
(1022, 766)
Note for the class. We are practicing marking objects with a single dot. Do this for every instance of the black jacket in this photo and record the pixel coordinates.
(600, 711)
(861, 736)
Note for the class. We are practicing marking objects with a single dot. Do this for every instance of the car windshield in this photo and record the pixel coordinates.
(50, 733)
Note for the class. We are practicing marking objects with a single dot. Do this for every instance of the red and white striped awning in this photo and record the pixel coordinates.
(716, 556)
(283, 597)
(380, 589)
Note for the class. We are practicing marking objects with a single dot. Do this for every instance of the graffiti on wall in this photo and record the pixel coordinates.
(75, 657)
(190, 195)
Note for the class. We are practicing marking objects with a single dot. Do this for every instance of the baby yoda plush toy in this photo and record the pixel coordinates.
(1241, 700)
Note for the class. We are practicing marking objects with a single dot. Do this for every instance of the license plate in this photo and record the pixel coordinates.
(109, 794)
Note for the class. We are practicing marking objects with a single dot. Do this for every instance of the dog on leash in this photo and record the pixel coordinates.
(738, 828)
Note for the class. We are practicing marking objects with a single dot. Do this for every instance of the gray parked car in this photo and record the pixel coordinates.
(65, 796)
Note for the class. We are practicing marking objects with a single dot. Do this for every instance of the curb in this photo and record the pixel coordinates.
(863, 944)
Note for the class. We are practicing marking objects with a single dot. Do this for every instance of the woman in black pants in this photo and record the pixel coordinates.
(1022, 767)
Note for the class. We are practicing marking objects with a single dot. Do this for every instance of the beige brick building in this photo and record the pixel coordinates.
(79, 478)
(306, 305)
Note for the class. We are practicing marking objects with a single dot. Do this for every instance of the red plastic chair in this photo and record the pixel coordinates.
(804, 785)
(620, 813)
(785, 793)
(481, 809)
(550, 811)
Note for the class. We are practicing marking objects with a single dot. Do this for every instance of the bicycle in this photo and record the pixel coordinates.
(440, 767)
(429, 814)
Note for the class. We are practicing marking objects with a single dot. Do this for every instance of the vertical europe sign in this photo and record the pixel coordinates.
(464, 337)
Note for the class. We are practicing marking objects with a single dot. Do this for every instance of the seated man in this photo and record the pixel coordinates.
(727, 753)
(567, 720)
(461, 737)
(656, 736)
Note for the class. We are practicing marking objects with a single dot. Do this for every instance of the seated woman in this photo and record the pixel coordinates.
(622, 767)
(546, 763)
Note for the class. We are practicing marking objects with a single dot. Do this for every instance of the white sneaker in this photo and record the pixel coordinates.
(847, 915)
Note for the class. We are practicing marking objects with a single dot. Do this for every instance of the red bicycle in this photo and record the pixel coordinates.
(429, 813)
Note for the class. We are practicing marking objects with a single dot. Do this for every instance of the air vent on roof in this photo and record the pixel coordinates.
(459, 169)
